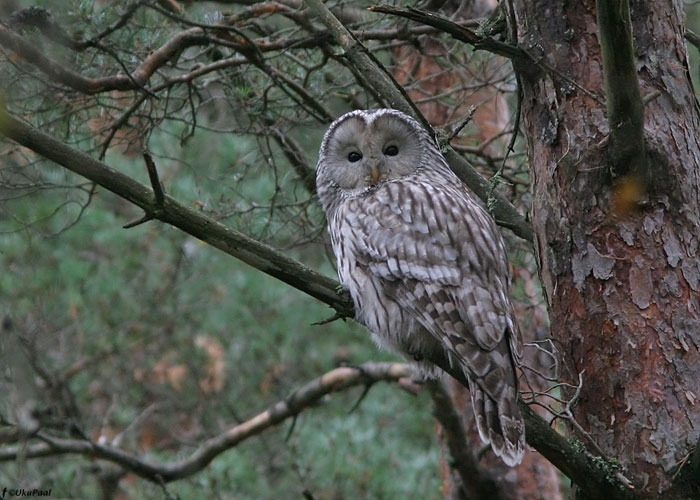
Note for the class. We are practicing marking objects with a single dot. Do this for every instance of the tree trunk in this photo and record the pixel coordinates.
(619, 261)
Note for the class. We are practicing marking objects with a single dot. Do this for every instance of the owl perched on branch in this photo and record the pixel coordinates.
(423, 261)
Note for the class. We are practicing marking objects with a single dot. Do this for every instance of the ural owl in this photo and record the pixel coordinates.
(424, 263)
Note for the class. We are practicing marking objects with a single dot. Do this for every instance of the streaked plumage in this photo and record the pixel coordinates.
(423, 261)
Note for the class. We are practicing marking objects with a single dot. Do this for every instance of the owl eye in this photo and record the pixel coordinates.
(391, 150)
(354, 156)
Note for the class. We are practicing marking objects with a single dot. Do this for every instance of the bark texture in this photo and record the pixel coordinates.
(622, 279)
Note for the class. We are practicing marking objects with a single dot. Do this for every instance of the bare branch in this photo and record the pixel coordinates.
(457, 31)
(305, 397)
(388, 89)
(296, 157)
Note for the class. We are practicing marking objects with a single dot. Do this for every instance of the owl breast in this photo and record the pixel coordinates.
(391, 326)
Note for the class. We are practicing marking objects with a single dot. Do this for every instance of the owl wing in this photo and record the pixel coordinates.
(441, 258)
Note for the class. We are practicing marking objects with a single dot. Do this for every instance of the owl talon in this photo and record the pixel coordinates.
(411, 385)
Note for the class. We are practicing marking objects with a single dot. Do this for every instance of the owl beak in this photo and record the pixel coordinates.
(374, 174)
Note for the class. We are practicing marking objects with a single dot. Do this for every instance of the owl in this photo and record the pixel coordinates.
(424, 263)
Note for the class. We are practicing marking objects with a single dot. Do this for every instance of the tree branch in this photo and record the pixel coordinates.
(230, 241)
(385, 85)
(693, 38)
(138, 78)
(457, 31)
(624, 103)
(305, 397)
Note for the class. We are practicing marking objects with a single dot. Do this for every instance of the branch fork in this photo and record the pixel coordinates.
(159, 207)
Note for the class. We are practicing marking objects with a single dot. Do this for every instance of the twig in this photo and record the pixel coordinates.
(153, 177)
(158, 193)
(463, 123)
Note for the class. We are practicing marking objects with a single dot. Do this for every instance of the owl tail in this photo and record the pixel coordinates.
(499, 422)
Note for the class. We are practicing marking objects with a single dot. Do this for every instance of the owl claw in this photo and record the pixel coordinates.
(411, 385)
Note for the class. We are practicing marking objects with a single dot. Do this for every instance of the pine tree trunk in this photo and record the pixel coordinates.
(622, 279)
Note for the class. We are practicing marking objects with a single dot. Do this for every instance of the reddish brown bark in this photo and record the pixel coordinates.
(622, 281)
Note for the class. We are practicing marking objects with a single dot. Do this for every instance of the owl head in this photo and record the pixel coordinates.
(363, 149)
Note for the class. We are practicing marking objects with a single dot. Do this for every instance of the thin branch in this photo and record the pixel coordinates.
(296, 157)
(694, 464)
(384, 83)
(305, 397)
(159, 194)
(457, 31)
(118, 24)
(687, 477)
